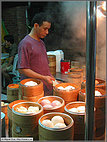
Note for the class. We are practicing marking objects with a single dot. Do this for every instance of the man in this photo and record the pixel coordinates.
(9, 47)
(33, 61)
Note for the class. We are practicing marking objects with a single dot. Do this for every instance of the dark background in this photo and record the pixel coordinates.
(64, 31)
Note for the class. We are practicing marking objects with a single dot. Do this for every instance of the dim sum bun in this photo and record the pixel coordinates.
(73, 109)
(33, 109)
(59, 125)
(57, 119)
(22, 109)
(47, 123)
(97, 93)
(56, 103)
(81, 109)
(48, 106)
(45, 102)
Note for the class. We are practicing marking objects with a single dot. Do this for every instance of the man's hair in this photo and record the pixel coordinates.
(40, 18)
(9, 38)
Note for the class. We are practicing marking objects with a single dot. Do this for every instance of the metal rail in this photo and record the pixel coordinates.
(90, 67)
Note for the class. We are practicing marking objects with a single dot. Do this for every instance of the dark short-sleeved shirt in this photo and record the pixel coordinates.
(32, 55)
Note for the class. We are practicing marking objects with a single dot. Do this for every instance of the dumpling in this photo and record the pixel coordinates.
(56, 103)
(30, 83)
(81, 109)
(61, 88)
(69, 87)
(33, 109)
(45, 102)
(73, 109)
(47, 123)
(48, 106)
(22, 109)
(97, 93)
(59, 125)
(57, 119)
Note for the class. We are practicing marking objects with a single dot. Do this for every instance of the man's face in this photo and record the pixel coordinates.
(43, 30)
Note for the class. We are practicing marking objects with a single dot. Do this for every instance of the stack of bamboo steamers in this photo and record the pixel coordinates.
(57, 117)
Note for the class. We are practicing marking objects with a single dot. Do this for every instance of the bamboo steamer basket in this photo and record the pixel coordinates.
(100, 114)
(33, 99)
(68, 96)
(100, 111)
(66, 133)
(75, 75)
(52, 64)
(3, 131)
(12, 93)
(52, 98)
(4, 110)
(76, 69)
(79, 119)
(23, 124)
(31, 93)
(9, 113)
(98, 84)
(20, 95)
(102, 137)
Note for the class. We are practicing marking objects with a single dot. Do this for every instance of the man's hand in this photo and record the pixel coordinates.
(49, 79)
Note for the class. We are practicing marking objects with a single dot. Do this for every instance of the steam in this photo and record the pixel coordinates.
(101, 48)
(75, 36)
(76, 14)
(75, 33)
(69, 34)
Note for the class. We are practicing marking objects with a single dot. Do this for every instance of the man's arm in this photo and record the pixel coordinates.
(32, 74)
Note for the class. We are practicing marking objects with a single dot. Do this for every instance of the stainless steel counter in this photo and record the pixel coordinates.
(61, 77)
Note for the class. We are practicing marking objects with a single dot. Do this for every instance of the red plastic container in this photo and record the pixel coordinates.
(65, 66)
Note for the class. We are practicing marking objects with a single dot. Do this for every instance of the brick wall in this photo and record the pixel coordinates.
(15, 21)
